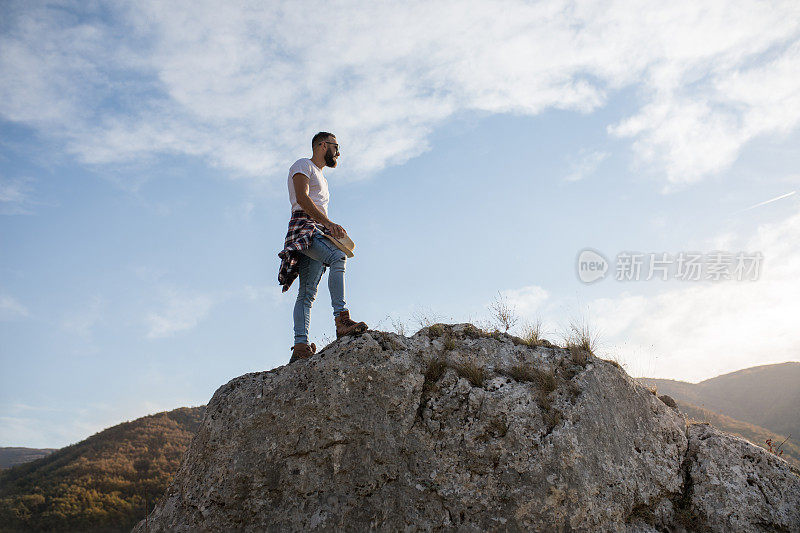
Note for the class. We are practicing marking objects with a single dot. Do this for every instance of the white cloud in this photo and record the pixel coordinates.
(692, 330)
(11, 309)
(179, 312)
(243, 86)
(696, 125)
(526, 300)
(698, 330)
(182, 310)
(587, 163)
(15, 196)
(271, 293)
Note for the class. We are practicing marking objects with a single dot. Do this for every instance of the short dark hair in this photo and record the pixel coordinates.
(321, 136)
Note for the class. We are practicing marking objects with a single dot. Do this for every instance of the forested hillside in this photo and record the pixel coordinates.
(99, 484)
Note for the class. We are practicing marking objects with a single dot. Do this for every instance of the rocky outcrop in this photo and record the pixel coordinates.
(736, 486)
(454, 429)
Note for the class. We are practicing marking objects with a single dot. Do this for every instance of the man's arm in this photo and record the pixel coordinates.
(301, 193)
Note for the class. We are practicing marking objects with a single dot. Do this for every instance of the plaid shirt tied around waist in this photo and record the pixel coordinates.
(298, 237)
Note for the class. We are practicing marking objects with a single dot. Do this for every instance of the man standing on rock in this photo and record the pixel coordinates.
(307, 251)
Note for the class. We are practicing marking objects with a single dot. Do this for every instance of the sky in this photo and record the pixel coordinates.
(491, 152)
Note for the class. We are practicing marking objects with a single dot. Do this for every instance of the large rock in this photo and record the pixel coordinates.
(375, 433)
(736, 486)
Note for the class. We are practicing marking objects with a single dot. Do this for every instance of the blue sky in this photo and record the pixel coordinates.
(143, 198)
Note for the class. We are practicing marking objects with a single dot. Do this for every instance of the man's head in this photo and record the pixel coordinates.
(324, 144)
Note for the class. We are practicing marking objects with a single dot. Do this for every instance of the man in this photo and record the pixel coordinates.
(307, 252)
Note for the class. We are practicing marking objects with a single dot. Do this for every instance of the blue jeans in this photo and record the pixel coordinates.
(322, 253)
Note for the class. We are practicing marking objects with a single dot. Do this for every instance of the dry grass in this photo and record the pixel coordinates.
(579, 334)
(472, 372)
(398, 326)
(449, 342)
(426, 318)
(544, 379)
(497, 335)
(579, 356)
(482, 330)
(473, 332)
(325, 342)
(776, 450)
(435, 368)
(485, 327)
(435, 330)
(504, 315)
(532, 333)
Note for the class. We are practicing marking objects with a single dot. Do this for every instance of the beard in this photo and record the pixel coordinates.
(330, 161)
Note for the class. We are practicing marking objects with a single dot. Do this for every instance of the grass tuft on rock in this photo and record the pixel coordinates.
(579, 356)
(434, 369)
(473, 332)
(449, 342)
(472, 372)
(581, 336)
(435, 330)
(544, 379)
(532, 335)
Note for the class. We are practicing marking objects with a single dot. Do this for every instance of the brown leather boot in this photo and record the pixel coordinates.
(302, 351)
(345, 326)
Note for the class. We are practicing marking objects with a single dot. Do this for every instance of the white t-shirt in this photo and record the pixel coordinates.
(317, 185)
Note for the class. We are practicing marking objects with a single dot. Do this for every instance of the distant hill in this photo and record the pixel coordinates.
(99, 484)
(767, 396)
(13, 456)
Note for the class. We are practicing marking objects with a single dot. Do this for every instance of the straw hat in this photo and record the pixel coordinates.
(343, 243)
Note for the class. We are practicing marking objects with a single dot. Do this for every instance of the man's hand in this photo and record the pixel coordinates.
(336, 230)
